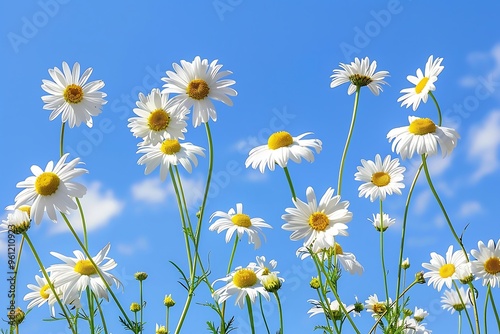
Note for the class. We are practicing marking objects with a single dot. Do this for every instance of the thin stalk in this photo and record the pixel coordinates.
(250, 313)
(465, 309)
(229, 266)
(263, 315)
(183, 197)
(440, 118)
(142, 303)
(492, 301)
(473, 299)
(280, 311)
(101, 313)
(167, 316)
(349, 135)
(91, 310)
(61, 141)
(382, 257)
(289, 179)
(459, 322)
(84, 224)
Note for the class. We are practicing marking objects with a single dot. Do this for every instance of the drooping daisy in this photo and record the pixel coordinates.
(381, 178)
(241, 282)
(422, 136)
(78, 273)
(51, 189)
(197, 83)
(443, 271)
(167, 153)
(424, 83)
(18, 221)
(71, 97)
(359, 73)
(318, 224)
(334, 306)
(158, 119)
(41, 294)
(420, 314)
(487, 263)
(281, 147)
(375, 307)
(453, 300)
(239, 222)
(347, 260)
(382, 224)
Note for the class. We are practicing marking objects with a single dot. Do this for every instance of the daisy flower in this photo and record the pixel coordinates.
(241, 282)
(381, 178)
(420, 314)
(422, 136)
(487, 263)
(376, 307)
(412, 326)
(443, 271)
(347, 260)
(41, 294)
(281, 147)
(334, 306)
(359, 73)
(198, 83)
(167, 153)
(452, 300)
(160, 329)
(158, 119)
(51, 189)
(239, 222)
(382, 224)
(71, 97)
(424, 83)
(17, 221)
(317, 223)
(78, 273)
(266, 273)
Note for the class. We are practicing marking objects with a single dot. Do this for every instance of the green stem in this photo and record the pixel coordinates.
(459, 322)
(167, 316)
(263, 315)
(101, 314)
(492, 301)
(289, 179)
(229, 266)
(382, 257)
(440, 118)
(61, 141)
(346, 147)
(280, 311)
(84, 224)
(142, 303)
(184, 203)
(250, 314)
(465, 309)
(91, 310)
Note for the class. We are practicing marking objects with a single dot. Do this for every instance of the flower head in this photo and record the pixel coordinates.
(334, 311)
(359, 73)
(51, 189)
(168, 301)
(71, 97)
(160, 329)
(422, 136)
(424, 83)
(453, 300)
(41, 294)
(443, 271)
(380, 178)
(318, 224)
(487, 263)
(382, 223)
(18, 221)
(280, 148)
(347, 260)
(239, 222)
(375, 307)
(197, 84)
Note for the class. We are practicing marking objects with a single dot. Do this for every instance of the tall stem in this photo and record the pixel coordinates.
(382, 257)
(250, 314)
(61, 141)
(290, 184)
(492, 301)
(280, 311)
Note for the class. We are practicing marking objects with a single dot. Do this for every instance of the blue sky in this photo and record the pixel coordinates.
(282, 55)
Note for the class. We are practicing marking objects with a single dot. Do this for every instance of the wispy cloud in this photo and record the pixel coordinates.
(131, 247)
(421, 202)
(470, 208)
(488, 62)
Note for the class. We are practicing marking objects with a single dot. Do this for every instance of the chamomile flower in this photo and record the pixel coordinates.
(158, 119)
(160, 329)
(51, 189)
(382, 224)
(71, 97)
(453, 300)
(359, 73)
(487, 263)
(380, 178)
(335, 311)
(422, 136)
(443, 270)
(375, 307)
(198, 83)
(239, 222)
(347, 260)
(167, 153)
(241, 282)
(424, 83)
(412, 326)
(420, 314)
(318, 224)
(280, 148)
(78, 273)
(18, 221)
(41, 294)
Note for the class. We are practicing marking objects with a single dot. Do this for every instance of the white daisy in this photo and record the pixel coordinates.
(197, 83)
(167, 153)
(51, 189)
(359, 73)
(375, 307)
(412, 326)
(317, 223)
(281, 147)
(443, 271)
(239, 222)
(487, 263)
(384, 223)
(347, 260)
(420, 314)
(454, 300)
(41, 294)
(264, 267)
(18, 221)
(78, 273)
(381, 178)
(334, 307)
(71, 97)
(422, 136)
(424, 83)
(241, 282)
(158, 119)
(160, 329)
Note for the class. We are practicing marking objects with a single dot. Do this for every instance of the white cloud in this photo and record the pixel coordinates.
(470, 208)
(129, 248)
(421, 202)
(481, 60)
(438, 165)
(99, 207)
(484, 144)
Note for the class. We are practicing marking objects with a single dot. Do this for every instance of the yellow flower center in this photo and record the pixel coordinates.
(360, 80)
(244, 278)
(73, 94)
(380, 179)
(492, 265)
(279, 139)
(422, 126)
(318, 221)
(266, 271)
(85, 267)
(421, 85)
(338, 249)
(170, 146)
(198, 89)
(43, 291)
(47, 183)
(241, 219)
(158, 120)
(447, 270)
(379, 308)
(26, 208)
